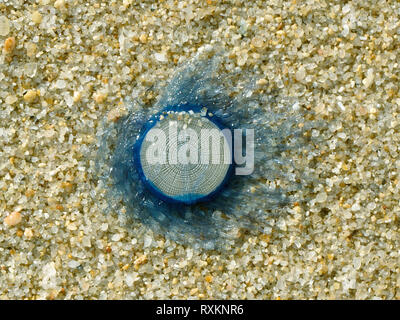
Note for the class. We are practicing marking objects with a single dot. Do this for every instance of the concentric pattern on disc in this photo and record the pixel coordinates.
(176, 165)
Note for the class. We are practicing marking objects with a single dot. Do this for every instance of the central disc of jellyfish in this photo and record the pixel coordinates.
(184, 155)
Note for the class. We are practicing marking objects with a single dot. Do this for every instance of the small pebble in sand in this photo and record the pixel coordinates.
(262, 82)
(300, 74)
(37, 17)
(31, 49)
(77, 96)
(161, 57)
(369, 79)
(68, 187)
(28, 233)
(100, 96)
(143, 38)
(4, 26)
(257, 42)
(142, 259)
(30, 96)
(9, 45)
(59, 4)
(11, 99)
(13, 219)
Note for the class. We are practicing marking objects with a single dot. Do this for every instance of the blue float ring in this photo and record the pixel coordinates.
(153, 120)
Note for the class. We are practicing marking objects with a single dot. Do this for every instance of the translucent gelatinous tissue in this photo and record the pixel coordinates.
(248, 201)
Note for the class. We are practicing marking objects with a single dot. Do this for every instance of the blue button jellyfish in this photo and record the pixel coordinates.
(208, 160)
